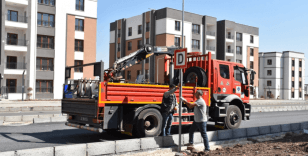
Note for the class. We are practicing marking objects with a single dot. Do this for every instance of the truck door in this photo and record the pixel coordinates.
(224, 79)
(240, 81)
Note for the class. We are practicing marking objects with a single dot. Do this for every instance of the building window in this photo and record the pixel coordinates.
(293, 63)
(147, 41)
(177, 41)
(139, 44)
(269, 93)
(195, 29)
(251, 52)
(78, 69)
(229, 35)
(45, 64)
(12, 39)
(12, 15)
(177, 25)
(139, 29)
(292, 73)
(79, 45)
(47, 2)
(11, 62)
(11, 84)
(238, 61)
(300, 74)
(45, 42)
(129, 47)
(292, 94)
(80, 5)
(128, 75)
(239, 50)
(251, 38)
(44, 86)
(79, 24)
(300, 84)
(146, 74)
(269, 83)
(119, 32)
(269, 62)
(300, 63)
(130, 31)
(46, 20)
(269, 72)
(119, 46)
(300, 94)
(147, 26)
(239, 36)
(251, 90)
(292, 83)
(195, 44)
(251, 65)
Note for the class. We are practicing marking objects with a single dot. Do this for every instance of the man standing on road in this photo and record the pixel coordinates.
(200, 119)
(167, 109)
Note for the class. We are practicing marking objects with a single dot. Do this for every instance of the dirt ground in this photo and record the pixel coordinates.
(290, 145)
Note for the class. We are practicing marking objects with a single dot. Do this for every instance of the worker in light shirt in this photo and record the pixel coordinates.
(200, 119)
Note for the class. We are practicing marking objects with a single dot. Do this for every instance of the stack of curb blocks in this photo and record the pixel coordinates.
(134, 145)
(33, 118)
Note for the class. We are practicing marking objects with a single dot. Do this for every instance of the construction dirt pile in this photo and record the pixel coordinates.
(290, 145)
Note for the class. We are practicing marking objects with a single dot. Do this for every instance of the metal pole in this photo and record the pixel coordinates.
(181, 77)
(23, 86)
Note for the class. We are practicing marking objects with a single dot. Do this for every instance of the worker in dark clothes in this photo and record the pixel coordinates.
(169, 102)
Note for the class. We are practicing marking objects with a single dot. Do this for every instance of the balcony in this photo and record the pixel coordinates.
(44, 68)
(19, 3)
(210, 35)
(14, 68)
(210, 48)
(79, 28)
(230, 38)
(45, 45)
(13, 44)
(12, 21)
(229, 52)
(46, 23)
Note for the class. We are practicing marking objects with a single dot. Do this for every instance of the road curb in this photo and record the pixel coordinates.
(33, 119)
(29, 109)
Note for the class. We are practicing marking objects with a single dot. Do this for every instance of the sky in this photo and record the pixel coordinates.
(283, 24)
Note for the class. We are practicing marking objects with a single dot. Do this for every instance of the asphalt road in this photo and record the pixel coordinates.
(57, 134)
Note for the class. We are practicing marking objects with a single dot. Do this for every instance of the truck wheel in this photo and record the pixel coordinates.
(149, 123)
(192, 72)
(234, 117)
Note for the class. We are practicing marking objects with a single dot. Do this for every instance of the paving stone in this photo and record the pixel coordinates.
(12, 118)
(127, 145)
(285, 128)
(29, 117)
(239, 133)
(101, 148)
(151, 142)
(264, 130)
(253, 131)
(46, 116)
(41, 120)
(295, 126)
(275, 129)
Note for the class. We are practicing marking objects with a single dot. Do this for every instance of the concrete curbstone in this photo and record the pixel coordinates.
(101, 148)
(41, 120)
(75, 150)
(57, 108)
(168, 141)
(58, 119)
(12, 118)
(9, 153)
(197, 137)
(29, 117)
(1, 122)
(275, 129)
(239, 133)
(295, 126)
(127, 145)
(45, 116)
(46, 151)
(15, 109)
(26, 109)
(151, 142)
(46, 108)
(253, 131)
(285, 128)
(1, 117)
(4, 109)
(57, 115)
(264, 130)
(304, 125)
(224, 134)
(212, 136)
(37, 108)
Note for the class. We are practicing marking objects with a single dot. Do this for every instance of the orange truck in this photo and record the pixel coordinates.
(110, 105)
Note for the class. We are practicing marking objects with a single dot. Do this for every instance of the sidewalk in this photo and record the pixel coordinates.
(30, 103)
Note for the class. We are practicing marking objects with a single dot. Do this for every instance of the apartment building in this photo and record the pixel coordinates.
(239, 43)
(282, 75)
(160, 28)
(41, 37)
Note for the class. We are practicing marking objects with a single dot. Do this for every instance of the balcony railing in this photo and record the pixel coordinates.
(47, 2)
(44, 68)
(44, 90)
(79, 48)
(45, 45)
(15, 65)
(238, 39)
(239, 52)
(210, 33)
(229, 51)
(210, 48)
(79, 7)
(12, 89)
(45, 23)
(229, 37)
(16, 18)
(79, 28)
(17, 42)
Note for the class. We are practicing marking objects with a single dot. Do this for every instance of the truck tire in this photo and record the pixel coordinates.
(149, 123)
(234, 117)
(189, 76)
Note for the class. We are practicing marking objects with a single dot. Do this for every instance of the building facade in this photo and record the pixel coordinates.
(41, 37)
(239, 43)
(282, 75)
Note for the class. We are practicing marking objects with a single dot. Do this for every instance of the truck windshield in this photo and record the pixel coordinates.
(240, 75)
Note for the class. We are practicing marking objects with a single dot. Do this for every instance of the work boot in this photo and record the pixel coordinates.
(188, 144)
